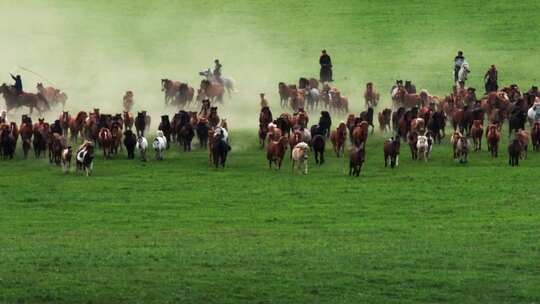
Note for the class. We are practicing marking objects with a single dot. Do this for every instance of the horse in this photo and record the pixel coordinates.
(52, 95)
(142, 145)
(116, 133)
(357, 157)
(170, 88)
(523, 137)
(422, 147)
(463, 73)
(391, 152)
(300, 158)
(384, 118)
(30, 100)
(318, 144)
(127, 101)
(57, 145)
(265, 117)
(226, 82)
(371, 96)
(493, 137)
(462, 149)
(535, 136)
(76, 125)
(26, 136)
(338, 137)
(477, 132)
(85, 157)
(367, 116)
(130, 141)
(184, 96)
(402, 98)
(64, 122)
(128, 120)
(412, 139)
(165, 126)
(66, 159)
(325, 123)
(283, 90)
(514, 152)
(220, 149)
(105, 140)
(275, 151)
(159, 144)
(436, 125)
(140, 123)
(360, 133)
(210, 90)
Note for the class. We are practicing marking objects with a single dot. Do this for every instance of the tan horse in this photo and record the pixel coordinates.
(210, 90)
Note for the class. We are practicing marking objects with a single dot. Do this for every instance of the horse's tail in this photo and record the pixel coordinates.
(42, 98)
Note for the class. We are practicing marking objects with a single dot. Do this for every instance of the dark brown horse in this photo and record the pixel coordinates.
(30, 100)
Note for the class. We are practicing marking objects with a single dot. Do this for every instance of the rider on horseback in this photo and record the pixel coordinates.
(458, 62)
(217, 71)
(326, 73)
(18, 84)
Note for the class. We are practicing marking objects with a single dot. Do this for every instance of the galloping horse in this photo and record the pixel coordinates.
(170, 88)
(226, 82)
(53, 96)
(14, 100)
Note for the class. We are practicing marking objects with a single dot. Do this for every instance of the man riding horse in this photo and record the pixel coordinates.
(491, 79)
(18, 83)
(458, 62)
(326, 73)
(217, 71)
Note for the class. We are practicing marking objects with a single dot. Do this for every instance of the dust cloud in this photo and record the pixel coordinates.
(96, 52)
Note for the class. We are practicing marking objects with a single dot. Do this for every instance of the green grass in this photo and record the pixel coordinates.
(179, 231)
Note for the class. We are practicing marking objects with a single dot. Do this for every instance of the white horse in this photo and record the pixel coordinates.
(534, 112)
(463, 72)
(228, 82)
(142, 145)
(159, 144)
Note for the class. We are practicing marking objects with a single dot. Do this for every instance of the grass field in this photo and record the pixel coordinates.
(178, 231)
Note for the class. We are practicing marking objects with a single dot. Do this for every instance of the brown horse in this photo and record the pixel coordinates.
(265, 118)
(170, 88)
(105, 140)
(405, 99)
(210, 90)
(283, 90)
(371, 96)
(338, 137)
(184, 96)
(535, 136)
(493, 136)
(53, 96)
(64, 122)
(128, 120)
(76, 125)
(26, 136)
(275, 151)
(384, 120)
(360, 133)
(15, 100)
(477, 132)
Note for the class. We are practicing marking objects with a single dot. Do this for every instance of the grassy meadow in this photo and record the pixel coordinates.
(178, 231)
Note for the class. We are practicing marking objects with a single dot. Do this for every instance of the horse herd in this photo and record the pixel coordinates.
(111, 134)
(419, 120)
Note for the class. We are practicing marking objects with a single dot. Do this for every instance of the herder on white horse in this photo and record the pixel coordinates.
(463, 73)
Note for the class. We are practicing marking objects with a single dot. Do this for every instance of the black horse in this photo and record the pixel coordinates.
(220, 150)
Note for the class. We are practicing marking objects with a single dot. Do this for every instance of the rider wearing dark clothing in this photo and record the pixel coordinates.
(491, 79)
(326, 67)
(458, 61)
(217, 71)
(18, 83)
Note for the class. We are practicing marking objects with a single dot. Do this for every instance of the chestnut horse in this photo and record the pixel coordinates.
(493, 136)
(275, 151)
(76, 125)
(338, 137)
(371, 96)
